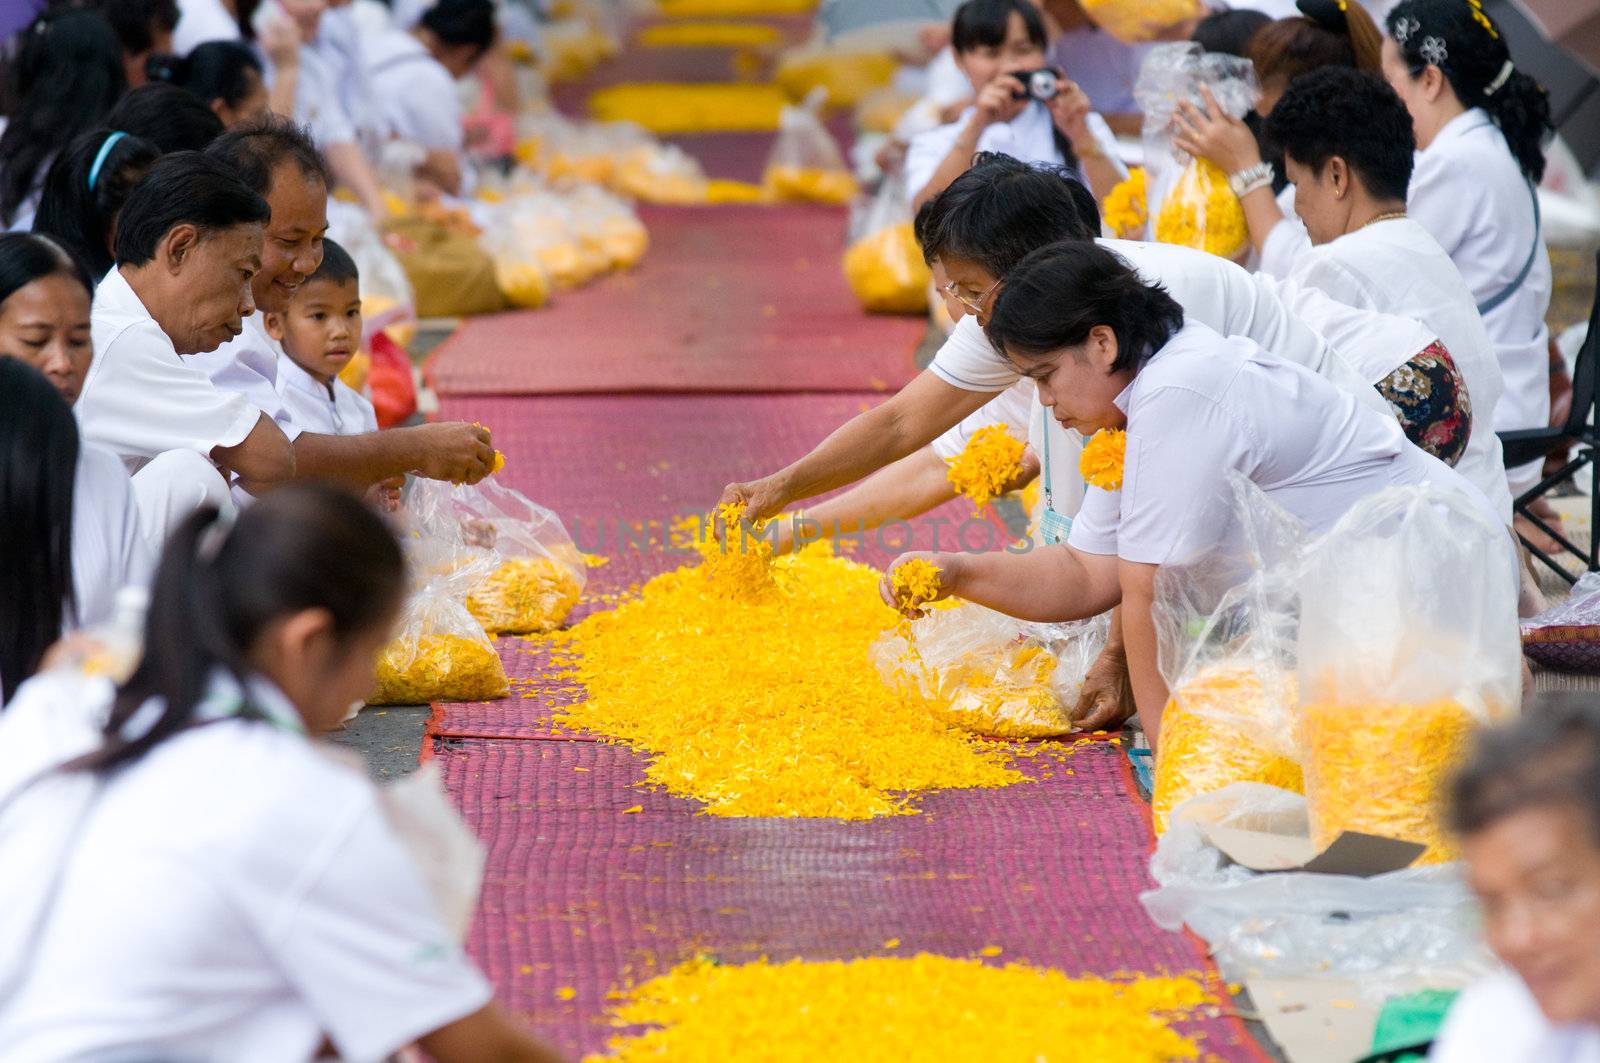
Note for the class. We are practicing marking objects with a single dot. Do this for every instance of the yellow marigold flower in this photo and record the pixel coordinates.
(935, 1009)
(991, 459)
(1135, 21)
(1102, 457)
(1124, 209)
(669, 108)
(915, 581)
(1202, 212)
(708, 35)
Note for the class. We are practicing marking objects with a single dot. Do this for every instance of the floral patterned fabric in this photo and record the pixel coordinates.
(1430, 399)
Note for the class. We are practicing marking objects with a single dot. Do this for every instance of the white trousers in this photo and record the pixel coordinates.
(169, 488)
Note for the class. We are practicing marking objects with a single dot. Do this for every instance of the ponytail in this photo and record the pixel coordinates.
(1325, 33)
(1460, 38)
(222, 583)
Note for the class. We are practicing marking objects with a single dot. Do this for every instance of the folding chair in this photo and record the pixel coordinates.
(1535, 444)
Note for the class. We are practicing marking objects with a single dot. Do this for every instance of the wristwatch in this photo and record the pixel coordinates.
(1251, 178)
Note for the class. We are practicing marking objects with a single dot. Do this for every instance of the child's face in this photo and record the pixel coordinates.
(1017, 52)
(321, 330)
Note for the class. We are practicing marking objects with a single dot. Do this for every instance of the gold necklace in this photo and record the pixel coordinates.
(1388, 215)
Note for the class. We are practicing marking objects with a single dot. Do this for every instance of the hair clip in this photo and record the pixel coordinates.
(1433, 51)
(1499, 79)
(1404, 28)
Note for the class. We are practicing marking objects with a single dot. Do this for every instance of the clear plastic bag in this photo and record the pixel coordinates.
(1136, 21)
(439, 652)
(1568, 636)
(992, 674)
(1394, 933)
(884, 264)
(1226, 626)
(1188, 200)
(534, 575)
(1408, 641)
(805, 164)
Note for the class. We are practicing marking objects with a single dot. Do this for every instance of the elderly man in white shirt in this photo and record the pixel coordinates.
(188, 246)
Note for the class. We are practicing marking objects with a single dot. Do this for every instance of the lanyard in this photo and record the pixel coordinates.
(1053, 527)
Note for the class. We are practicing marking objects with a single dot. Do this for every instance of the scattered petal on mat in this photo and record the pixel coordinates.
(630, 811)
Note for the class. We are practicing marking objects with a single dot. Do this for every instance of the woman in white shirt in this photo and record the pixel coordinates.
(1525, 807)
(994, 40)
(193, 877)
(1109, 350)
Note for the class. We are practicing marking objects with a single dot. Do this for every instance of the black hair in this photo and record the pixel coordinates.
(26, 257)
(1001, 210)
(337, 265)
(81, 201)
(457, 22)
(1057, 294)
(166, 116)
(67, 74)
(983, 23)
(1229, 32)
(135, 21)
(216, 70)
(218, 589)
(257, 148)
(1548, 757)
(1474, 58)
(1351, 114)
(185, 187)
(38, 466)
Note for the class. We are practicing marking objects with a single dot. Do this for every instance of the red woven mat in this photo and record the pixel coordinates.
(582, 893)
(728, 299)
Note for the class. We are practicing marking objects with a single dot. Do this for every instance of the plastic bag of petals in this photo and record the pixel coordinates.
(1567, 636)
(884, 264)
(992, 674)
(439, 652)
(534, 574)
(805, 164)
(1203, 212)
(846, 77)
(1408, 641)
(1135, 21)
(1226, 623)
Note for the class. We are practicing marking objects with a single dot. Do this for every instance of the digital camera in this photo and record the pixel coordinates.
(1041, 85)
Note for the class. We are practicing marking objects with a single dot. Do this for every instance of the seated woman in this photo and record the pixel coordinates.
(188, 245)
(1110, 351)
(993, 41)
(280, 915)
(226, 76)
(44, 323)
(1348, 151)
(85, 190)
(1525, 809)
(413, 77)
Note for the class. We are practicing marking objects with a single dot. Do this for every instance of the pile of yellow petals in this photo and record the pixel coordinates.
(805, 184)
(439, 667)
(726, 190)
(1382, 769)
(928, 1008)
(1223, 727)
(751, 681)
(1202, 212)
(732, 8)
(525, 595)
(1102, 458)
(915, 581)
(709, 35)
(1125, 209)
(669, 108)
(886, 271)
(847, 77)
(1135, 21)
(991, 460)
(524, 284)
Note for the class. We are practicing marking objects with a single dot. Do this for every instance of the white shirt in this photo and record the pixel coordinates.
(107, 551)
(1496, 1020)
(1212, 291)
(200, 21)
(336, 410)
(140, 397)
(248, 365)
(338, 42)
(1204, 406)
(1469, 193)
(416, 96)
(1029, 137)
(234, 894)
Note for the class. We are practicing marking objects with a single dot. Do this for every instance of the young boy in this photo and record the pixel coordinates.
(319, 333)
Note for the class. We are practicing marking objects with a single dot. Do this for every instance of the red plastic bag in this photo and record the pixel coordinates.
(394, 390)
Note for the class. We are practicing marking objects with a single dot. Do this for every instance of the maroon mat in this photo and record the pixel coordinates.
(581, 893)
(728, 299)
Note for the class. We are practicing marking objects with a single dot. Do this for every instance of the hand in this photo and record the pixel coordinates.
(455, 451)
(949, 566)
(1106, 702)
(1214, 135)
(280, 40)
(1027, 471)
(997, 102)
(1070, 111)
(762, 498)
(385, 494)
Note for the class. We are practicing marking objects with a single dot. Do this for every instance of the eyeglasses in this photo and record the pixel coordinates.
(975, 305)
